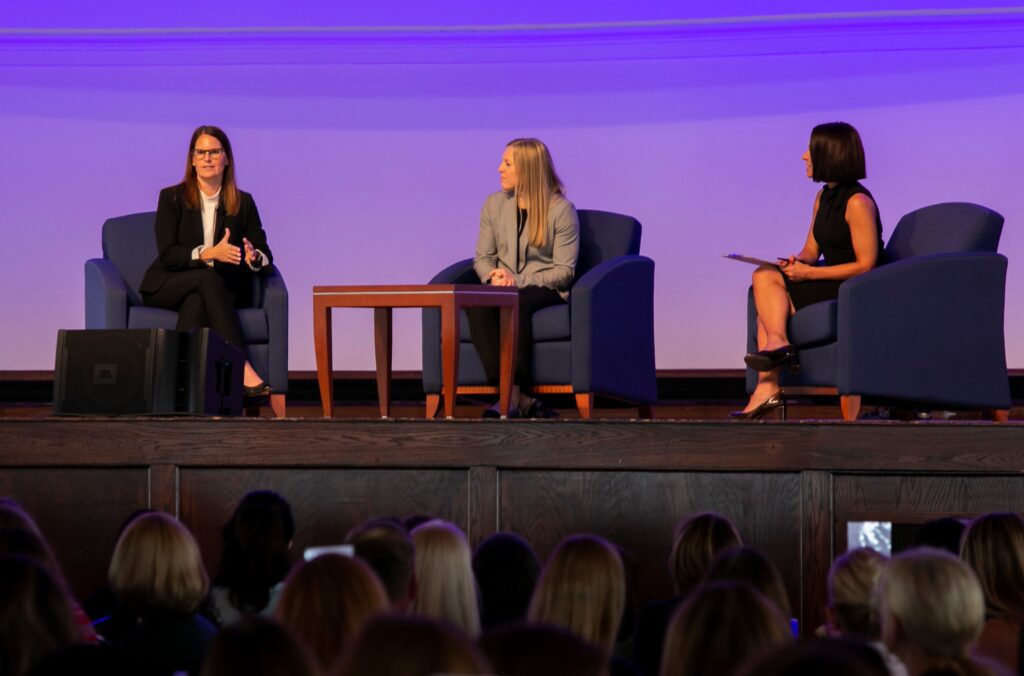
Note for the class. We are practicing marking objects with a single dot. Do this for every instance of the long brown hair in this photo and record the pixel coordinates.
(326, 601)
(993, 546)
(696, 542)
(583, 589)
(536, 183)
(228, 189)
(720, 627)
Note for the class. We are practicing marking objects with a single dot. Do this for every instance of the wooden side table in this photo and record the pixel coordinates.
(449, 298)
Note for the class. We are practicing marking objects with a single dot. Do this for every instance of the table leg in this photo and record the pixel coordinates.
(509, 337)
(322, 346)
(382, 347)
(449, 354)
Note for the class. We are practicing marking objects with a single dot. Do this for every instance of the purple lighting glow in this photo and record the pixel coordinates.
(370, 153)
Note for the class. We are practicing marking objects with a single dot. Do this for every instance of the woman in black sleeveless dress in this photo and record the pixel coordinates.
(845, 230)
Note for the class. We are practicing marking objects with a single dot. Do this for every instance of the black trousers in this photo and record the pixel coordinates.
(485, 327)
(201, 299)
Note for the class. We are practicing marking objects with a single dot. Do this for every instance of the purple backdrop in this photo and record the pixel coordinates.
(370, 150)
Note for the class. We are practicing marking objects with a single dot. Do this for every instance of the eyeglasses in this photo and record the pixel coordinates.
(214, 153)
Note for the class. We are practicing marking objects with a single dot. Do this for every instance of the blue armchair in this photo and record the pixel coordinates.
(925, 330)
(112, 300)
(601, 342)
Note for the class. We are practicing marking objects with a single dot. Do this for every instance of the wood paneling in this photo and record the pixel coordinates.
(638, 510)
(79, 511)
(325, 503)
(790, 487)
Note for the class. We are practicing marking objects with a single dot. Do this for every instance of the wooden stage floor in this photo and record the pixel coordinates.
(791, 487)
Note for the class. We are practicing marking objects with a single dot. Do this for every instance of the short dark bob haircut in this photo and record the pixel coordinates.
(837, 154)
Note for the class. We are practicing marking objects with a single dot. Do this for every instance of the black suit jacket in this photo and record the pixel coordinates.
(179, 230)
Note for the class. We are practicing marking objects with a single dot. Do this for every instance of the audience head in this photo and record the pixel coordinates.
(542, 650)
(837, 154)
(746, 564)
(720, 627)
(993, 546)
(255, 553)
(35, 615)
(394, 645)
(582, 588)
(697, 541)
(944, 533)
(506, 570)
(835, 657)
(931, 607)
(851, 593)
(13, 515)
(156, 566)
(327, 600)
(386, 547)
(30, 544)
(256, 646)
(445, 587)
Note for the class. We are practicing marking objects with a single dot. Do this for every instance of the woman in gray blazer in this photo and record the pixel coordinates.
(529, 238)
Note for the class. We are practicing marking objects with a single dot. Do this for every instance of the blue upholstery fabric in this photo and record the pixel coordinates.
(602, 341)
(112, 299)
(924, 329)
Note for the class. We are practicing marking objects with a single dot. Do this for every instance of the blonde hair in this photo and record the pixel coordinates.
(851, 590)
(720, 627)
(536, 183)
(326, 602)
(937, 600)
(583, 589)
(157, 566)
(993, 546)
(445, 586)
(698, 539)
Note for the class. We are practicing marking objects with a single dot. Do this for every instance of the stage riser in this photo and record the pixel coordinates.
(629, 482)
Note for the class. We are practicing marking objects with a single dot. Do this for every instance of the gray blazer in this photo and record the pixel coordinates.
(553, 265)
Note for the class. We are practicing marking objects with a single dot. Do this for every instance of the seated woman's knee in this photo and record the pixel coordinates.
(766, 274)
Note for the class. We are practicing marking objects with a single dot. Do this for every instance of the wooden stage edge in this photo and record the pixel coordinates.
(791, 487)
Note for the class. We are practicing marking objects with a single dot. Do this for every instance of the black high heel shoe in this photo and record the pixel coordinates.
(764, 408)
(257, 395)
(769, 360)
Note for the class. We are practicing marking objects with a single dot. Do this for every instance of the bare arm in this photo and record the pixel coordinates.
(862, 217)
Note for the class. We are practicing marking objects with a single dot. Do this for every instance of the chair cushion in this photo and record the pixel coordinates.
(814, 324)
(141, 317)
(253, 321)
(550, 323)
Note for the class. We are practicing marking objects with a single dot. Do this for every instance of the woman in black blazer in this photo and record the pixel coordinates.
(210, 242)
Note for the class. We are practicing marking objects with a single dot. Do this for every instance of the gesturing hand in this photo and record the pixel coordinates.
(223, 251)
(252, 257)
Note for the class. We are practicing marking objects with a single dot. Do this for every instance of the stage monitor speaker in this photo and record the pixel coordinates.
(116, 371)
(212, 380)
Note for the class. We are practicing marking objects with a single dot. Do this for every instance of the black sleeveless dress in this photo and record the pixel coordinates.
(832, 233)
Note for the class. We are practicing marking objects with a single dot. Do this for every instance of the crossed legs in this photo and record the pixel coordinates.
(774, 308)
(201, 299)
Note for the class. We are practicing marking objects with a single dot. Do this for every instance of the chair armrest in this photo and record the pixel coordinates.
(275, 304)
(612, 319)
(457, 273)
(106, 296)
(926, 329)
